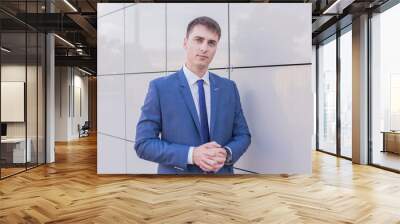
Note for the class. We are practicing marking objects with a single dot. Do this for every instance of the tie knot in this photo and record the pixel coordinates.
(200, 82)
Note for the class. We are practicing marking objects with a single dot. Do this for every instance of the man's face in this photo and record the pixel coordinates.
(200, 46)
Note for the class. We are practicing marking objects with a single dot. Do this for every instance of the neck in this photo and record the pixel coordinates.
(198, 70)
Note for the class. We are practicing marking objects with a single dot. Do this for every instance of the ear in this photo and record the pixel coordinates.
(185, 40)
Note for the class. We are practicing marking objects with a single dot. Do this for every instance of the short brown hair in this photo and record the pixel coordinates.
(205, 21)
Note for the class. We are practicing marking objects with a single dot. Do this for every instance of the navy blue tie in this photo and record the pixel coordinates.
(205, 135)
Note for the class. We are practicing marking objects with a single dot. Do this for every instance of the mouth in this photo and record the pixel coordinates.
(202, 56)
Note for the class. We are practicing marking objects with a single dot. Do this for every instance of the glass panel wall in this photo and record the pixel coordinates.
(22, 88)
(346, 92)
(385, 89)
(13, 91)
(327, 95)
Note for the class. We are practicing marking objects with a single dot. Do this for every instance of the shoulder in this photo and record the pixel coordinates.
(222, 81)
(164, 80)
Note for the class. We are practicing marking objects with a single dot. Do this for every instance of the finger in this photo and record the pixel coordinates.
(218, 168)
(210, 153)
(215, 160)
(220, 160)
(221, 152)
(213, 152)
(220, 155)
(212, 145)
(217, 165)
(204, 166)
(210, 162)
(216, 149)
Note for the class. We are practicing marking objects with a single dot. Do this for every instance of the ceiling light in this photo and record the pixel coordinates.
(65, 41)
(86, 72)
(70, 5)
(331, 7)
(5, 50)
(337, 7)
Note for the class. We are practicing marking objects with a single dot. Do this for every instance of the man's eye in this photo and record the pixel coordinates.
(211, 44)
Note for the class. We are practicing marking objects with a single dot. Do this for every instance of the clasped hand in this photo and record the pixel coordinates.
(209, 156)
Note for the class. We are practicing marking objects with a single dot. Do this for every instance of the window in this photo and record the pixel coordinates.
(22, 78)
(327, 96)
(346, 75)
(385, 88)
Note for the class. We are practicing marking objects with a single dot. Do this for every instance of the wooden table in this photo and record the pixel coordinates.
(391, 141)
(13, 150)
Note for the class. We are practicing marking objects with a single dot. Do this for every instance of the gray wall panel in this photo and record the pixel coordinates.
(270, 34)
(278, 105)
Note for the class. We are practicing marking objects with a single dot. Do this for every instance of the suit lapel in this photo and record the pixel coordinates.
(187, 96)
(214, 95)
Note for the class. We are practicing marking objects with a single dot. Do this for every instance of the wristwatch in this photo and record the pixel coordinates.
(228, 160)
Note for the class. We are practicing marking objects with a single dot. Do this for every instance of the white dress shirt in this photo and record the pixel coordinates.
(194, 89)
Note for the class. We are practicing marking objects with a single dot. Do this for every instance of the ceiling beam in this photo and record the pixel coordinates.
(83, 61)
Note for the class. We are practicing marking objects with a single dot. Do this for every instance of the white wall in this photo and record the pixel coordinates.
(139, 42)
(61, 103)
(80, 109)
(67, 81)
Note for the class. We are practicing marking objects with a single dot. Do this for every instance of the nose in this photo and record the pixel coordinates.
(204, 47)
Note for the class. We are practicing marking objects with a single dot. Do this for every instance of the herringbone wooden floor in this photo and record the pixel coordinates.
(70, 191)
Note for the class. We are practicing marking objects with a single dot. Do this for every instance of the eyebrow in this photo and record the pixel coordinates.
(202, 38)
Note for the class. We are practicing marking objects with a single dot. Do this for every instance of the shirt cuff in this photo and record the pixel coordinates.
(190, 155)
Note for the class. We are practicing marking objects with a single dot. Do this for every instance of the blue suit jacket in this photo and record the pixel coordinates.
(169, 110)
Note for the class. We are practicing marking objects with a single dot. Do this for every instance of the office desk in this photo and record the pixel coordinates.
(15, 148)
(391, 141)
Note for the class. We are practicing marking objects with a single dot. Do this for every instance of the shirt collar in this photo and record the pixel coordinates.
(193, 78)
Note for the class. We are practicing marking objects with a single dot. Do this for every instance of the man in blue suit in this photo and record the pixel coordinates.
(192, 120)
